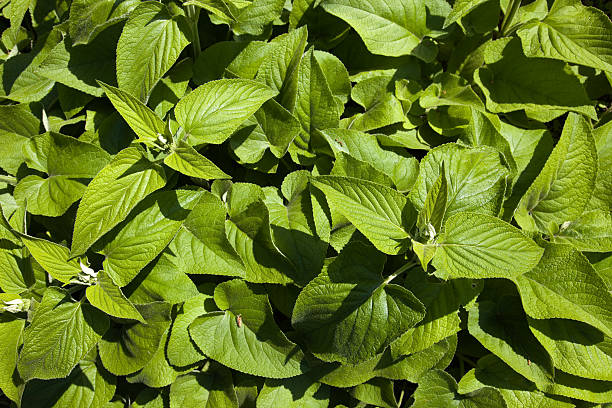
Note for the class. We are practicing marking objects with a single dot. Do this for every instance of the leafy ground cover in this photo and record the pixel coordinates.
(271, 203)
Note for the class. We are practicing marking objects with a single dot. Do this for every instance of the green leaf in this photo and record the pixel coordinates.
(377, 391)
(516, 390)
(462, 8)
(279, 126)
(204, 233)
(79, 67)
(279, 70)
(54, 258)
(382, 214)
(563, 189)
(143, 121)
(187, 160)
(602, 195)
(50, 196)
(107, 297)
(128, 347)
(88, 384)
(401, 25)
(438, 389)
(213, 111)
(570, 32)
(181, 350)
(127, 179)
(293, 392)
(244, 336)
(204, 389)
(592, 232)
(434, 208)
(61, 333)
(349, 313)
(481, 246)
(475, 177)
(149, 45)
(399, 166)
(137, 241)
(316, 106)
(589, 349)
(409, 368)
(89, 17)
(502, 328)
(11, 331)
(546, 294)
(442, 301)
(511, 82)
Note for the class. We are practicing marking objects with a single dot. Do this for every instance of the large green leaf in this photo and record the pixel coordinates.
(213, 111)
(128, 347)
(80, 66)
(502, 328)
(571, 32)
(181, 350)
(112, 194)
(205, 389)
(150, 44)
(511, 82)
(88, 385)
(589, 349)
(244, 335)
(89, 17)
(564, 186)
(386, 27)
(62, 332)
(136, 242)
(481, 246)
(602, 195)
(293, 393)
(546, 294)
(382, 214)
(475, 178)
(349, 313)
(11, 331)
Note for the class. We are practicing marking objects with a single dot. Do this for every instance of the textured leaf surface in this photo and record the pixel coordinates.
(61, 333)
(213, 111)
(349, 313)
(150, 43)
(112, 194)
(481, 246)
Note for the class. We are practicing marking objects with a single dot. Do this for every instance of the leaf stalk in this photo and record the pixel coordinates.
(511, 12)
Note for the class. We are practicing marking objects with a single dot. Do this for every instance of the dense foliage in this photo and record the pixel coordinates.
(274, 203)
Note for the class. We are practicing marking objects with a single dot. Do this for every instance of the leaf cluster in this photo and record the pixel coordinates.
(305, 203)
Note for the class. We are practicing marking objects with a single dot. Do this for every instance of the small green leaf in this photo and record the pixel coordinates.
(54, 258)
(187, 160)
(107, 297)
(143, 121)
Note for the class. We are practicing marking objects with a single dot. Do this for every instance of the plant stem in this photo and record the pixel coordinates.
(193, 13)
(511, 12)
(399, 271)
